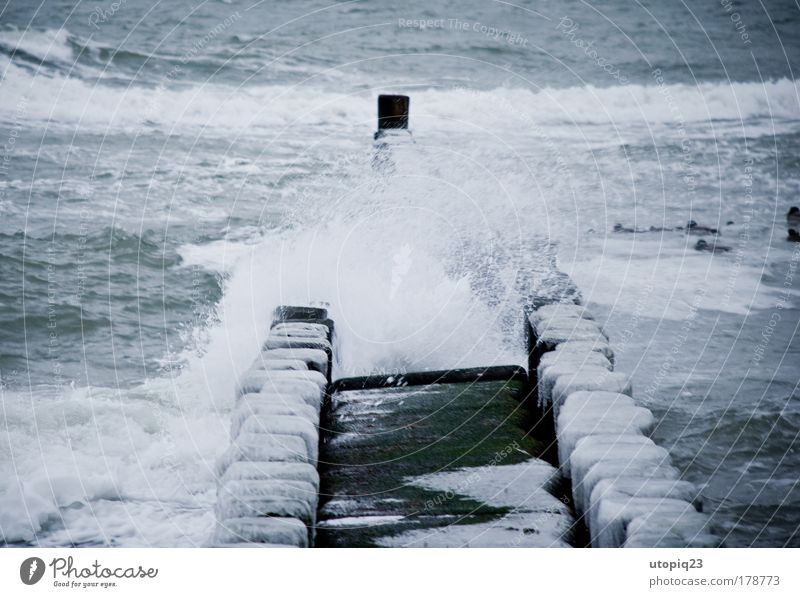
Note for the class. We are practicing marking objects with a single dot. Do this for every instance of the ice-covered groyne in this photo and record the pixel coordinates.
(623, 486)
(268, 487)
(437, 459)
(450, 458)
(396, 444)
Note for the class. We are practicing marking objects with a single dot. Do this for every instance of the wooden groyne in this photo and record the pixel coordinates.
(438, 458)
(624, 488)
(268, 488)
(554, 456)
(557, 455)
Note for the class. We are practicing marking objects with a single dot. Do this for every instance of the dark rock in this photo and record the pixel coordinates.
(693, 227)
(712, 247)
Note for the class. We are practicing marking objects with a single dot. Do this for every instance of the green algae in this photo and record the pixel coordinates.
(378, 440)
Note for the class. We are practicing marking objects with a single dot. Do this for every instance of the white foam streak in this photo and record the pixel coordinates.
(223, 108)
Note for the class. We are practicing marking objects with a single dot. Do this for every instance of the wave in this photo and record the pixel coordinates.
(72, 100)
(106, 466)
(48, 45)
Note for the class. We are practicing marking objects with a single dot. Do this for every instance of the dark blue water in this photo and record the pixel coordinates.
(172, 170)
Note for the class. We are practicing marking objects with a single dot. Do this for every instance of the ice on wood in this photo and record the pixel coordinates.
(278, 364)
(615, 469)
(245, 489)
(614, 513)
(548, 374)
(255, 405)
(622, 487)
(289, 499)
(271, 471)
(274, 342)
(588, 379)
(568, 324)
(576, 424)
(301, 330)
(260, 384)
(314, 358)
(288, 532)
(253, 545)
(633, 450)
(581, 347)
(560, 310)
(659, 529)
(671, 540)
(517, 529)
(255, 380)
(552, 337)
(537, 518)
(257, 447)
(510, 485)
(310, 399)
(285, 425)
(577, 401)
(582, 358)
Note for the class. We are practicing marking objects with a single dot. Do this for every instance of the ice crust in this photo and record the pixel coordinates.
(588, 378)
(285, 425)
(601, 419)
(256, 380)
(614, 513)
(314, 358)
(283, 532)
(271, 471)
(623, 485)
(266, 408)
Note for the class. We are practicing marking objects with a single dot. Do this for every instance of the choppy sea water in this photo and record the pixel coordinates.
(172, 171)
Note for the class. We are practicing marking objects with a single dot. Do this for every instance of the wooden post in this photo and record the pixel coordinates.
(393, 111)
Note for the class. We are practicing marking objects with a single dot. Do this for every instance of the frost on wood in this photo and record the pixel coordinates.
(271, 471)
(614, 513)
(659, 529)
(315, 359)
(537, 518)
(548, 374)
(256, 447)
(601, 419)
(289, 499)
(579, 358)
(605, 449)
(301, 330)
(256, 380)
(288, 532)
(285, 425)
(245, 489)
(581, 347)
(578, 401)
(560, 310)
(649, 487)
(308, 399)
(589, 379)
(278, 364)
(574, 325)
(274, 342)
(615, 469)
(266, 408)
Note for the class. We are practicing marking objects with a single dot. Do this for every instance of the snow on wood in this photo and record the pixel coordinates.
(285, 425)
(269, 471)
(283, 532)
(601, 419)
(256, 447)
(265, 408)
